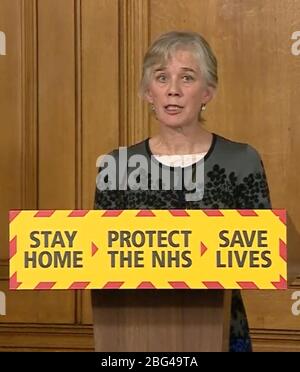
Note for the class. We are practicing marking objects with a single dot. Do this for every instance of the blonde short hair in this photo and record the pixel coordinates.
(167, 44)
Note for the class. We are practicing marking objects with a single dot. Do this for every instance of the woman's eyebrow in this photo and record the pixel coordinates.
(159, 69)
(188, 69)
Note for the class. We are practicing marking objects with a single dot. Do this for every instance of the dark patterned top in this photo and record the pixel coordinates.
(234, 178)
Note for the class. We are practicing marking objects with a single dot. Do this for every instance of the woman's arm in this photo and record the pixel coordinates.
(252, 191)
(107, 194)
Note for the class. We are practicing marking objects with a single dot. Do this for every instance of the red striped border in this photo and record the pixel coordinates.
(247, 285)
(78, 213)
(179, 213)
(247, 212)
(282, 284)
(45, 285)
(145, 213)
(79, 285)
(213, 285)
(113, 285)
(12, 215)
(213, 213)
(112, 213)
(282, 250)
(44, 213)
(281, 213)
(13, 282)
(179, 285)
(13, 247)
(146, 285)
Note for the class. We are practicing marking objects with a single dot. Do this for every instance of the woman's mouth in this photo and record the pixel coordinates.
(173, 109)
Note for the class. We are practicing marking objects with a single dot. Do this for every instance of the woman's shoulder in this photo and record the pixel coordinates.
(235, 149)
(139, 148)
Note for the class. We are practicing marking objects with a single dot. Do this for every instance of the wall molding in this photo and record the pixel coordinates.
(21, 337)
(29, 160)
(2, 43)
(78, 102)
(4, 270)
(275, 340)
(133, 42)
(78, 132)
(29, 55)
(296, 283)
(17, 337)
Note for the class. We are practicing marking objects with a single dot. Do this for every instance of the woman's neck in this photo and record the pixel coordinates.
(173, 141)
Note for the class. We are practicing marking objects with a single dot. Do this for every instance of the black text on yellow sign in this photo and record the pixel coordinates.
(161, 250)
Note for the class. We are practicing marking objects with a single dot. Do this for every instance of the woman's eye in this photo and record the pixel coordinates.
(188, 78)
(161, 78)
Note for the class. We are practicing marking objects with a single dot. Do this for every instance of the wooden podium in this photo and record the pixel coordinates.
(161, 320)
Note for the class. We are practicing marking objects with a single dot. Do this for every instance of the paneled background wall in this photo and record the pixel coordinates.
(68, 93)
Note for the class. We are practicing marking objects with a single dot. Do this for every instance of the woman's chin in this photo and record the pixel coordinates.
(176, 120)
(174, 123)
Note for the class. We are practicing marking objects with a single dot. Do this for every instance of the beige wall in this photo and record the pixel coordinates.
(69, 93)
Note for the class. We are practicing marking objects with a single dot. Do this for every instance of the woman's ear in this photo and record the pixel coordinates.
(148, 96)
(208, 94)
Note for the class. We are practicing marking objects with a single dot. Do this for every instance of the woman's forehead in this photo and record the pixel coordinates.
(181, 58)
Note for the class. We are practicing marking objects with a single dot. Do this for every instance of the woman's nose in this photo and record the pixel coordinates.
(174, 89)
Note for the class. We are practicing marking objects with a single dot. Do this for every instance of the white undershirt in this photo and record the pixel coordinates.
(180, 160)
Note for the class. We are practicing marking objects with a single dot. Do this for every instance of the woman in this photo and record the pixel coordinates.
(179, 80)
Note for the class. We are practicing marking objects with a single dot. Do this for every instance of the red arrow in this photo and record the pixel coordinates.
(94, 249)
(203, 249)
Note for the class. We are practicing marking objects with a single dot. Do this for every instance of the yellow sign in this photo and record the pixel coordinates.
(148, 249)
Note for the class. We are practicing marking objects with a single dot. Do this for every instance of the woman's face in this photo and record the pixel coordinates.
(178, 90)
